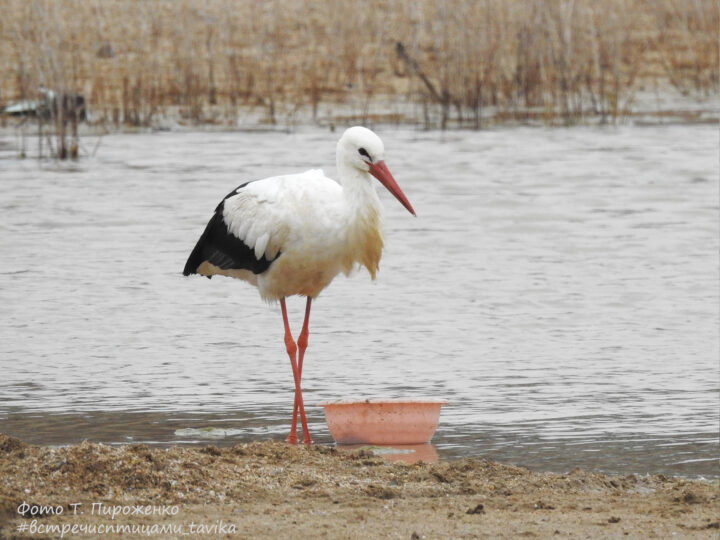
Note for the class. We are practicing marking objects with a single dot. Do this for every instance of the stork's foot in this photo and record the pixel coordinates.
(291, 438)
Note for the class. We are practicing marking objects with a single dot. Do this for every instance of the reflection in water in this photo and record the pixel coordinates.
(559, 287)
(407, 453)
(689, 455)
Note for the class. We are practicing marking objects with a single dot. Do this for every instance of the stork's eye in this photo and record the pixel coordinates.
(364, 152)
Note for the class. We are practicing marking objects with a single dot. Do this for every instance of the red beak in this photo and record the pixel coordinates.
(380, 171)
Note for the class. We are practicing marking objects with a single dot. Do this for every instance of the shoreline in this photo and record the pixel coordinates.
(647, 109)
(271, 490)
(618, 454)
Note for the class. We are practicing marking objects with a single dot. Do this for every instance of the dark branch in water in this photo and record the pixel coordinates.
(415, 68)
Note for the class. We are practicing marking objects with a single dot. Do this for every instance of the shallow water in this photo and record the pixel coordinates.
(559, 288)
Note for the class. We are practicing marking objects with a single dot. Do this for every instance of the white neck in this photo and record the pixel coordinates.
(358, 188)
(364, 241)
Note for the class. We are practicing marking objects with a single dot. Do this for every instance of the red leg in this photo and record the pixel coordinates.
(291, 350)
(302, 343)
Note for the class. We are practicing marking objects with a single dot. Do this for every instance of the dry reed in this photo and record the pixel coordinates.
(439, 62)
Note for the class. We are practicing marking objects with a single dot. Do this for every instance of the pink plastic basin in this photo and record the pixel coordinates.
(383, 421)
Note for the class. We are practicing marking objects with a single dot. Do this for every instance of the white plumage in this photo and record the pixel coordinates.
(309, 225)
(291, 235)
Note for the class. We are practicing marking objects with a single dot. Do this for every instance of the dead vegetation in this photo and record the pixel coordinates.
(320, 491)
(435, 62)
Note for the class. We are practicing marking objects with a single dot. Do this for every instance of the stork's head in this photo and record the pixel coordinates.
(362, 149)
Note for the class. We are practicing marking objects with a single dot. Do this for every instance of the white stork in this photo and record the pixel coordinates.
(291, 235)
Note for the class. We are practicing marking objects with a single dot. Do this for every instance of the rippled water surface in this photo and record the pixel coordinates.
(559, 287)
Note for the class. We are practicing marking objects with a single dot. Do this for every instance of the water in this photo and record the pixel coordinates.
(559, 288)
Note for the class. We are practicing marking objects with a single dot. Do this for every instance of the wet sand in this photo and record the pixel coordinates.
(274, 490)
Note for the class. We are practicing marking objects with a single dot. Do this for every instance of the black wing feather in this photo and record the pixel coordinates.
(221, 248)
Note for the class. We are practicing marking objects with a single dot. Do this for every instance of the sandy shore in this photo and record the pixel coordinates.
(273, 490)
